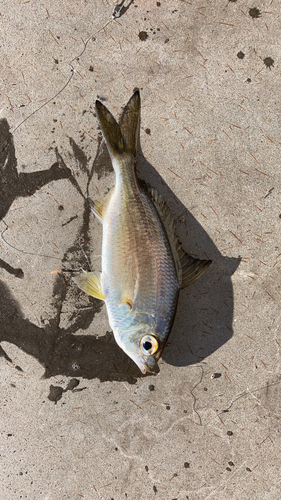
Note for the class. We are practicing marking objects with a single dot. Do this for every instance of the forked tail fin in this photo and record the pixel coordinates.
(121, 138)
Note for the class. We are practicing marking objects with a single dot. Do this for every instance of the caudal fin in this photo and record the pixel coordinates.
(130, 123)
(124, 137)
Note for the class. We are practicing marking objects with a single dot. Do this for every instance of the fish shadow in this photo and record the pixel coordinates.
(204, 315)
(14, 184)
(61, 351)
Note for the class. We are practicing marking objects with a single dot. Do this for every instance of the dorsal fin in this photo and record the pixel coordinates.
(188, 268)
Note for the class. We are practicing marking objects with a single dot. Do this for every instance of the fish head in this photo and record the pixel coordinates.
(147, 354)
(142, 345)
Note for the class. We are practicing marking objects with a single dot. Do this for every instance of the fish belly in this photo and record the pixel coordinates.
(137, 262)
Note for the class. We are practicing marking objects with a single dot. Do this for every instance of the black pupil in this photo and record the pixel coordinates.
(147, 345)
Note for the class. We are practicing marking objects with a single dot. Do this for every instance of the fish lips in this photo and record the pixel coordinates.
(147, 364)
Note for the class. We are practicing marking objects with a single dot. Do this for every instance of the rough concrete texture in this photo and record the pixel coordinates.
(78, 420)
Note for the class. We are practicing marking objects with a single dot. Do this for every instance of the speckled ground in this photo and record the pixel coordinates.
(77, 419)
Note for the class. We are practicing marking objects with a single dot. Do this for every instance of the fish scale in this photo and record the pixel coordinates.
(143, 263)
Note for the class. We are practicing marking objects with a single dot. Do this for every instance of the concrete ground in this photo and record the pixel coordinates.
(78, 420)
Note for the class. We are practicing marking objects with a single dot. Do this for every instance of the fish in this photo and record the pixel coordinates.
(144, 266)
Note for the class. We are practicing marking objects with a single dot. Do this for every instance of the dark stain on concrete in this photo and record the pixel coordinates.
(18, 273)
(70, 220)
(120, 9)
(143, 36)
(240, 55)
(103, 99)
(101, 165)
(14, 184)
(269, 193)
(56, 392)
(269, 62)
(79, 155)
(254, 13)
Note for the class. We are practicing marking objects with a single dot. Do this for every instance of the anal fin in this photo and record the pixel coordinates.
(90, 283)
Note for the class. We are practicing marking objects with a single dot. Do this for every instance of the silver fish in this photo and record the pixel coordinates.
(143, 264)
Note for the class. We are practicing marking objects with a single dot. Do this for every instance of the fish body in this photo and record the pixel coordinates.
(139, 276)
(143, 264)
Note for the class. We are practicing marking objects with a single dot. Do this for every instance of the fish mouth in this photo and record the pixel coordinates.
(148, 365)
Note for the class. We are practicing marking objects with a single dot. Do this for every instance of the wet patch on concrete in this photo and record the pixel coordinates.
(56, 392)
(143, 36)
(269, 62)
(14, 184)
(254, 13)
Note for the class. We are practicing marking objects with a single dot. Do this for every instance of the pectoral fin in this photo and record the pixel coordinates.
(90, 283)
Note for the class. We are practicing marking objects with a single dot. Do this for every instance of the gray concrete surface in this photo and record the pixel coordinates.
(78, 420)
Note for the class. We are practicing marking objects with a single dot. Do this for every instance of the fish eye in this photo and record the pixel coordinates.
(148, 345)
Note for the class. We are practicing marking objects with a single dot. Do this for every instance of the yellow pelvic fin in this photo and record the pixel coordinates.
(90, 283)
(98, 208)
